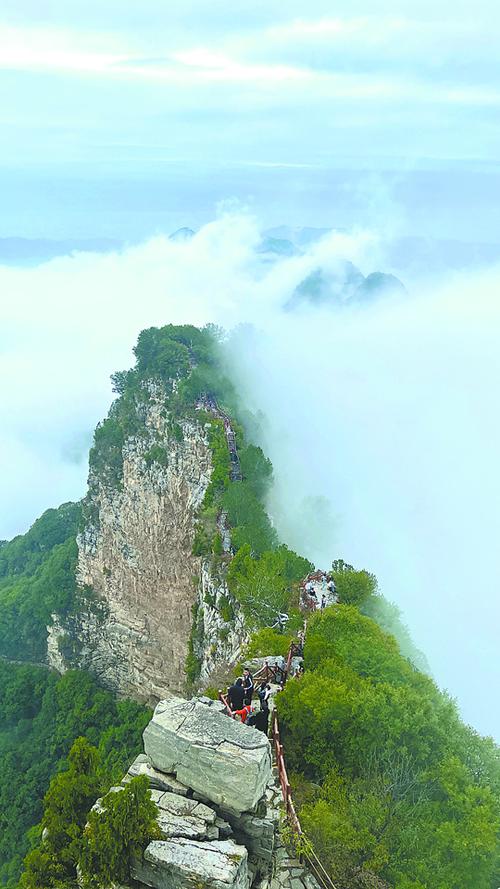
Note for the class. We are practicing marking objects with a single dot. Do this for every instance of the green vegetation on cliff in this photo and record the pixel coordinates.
(389, 780)
(41, 715)
(182, 360)
(118, 835)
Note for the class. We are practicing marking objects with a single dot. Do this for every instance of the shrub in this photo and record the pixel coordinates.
(267, 643)
(226, 609)
(354, 587)
(156, 454)
(117, 834)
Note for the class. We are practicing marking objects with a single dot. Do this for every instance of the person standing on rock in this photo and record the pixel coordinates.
(236, 695)
(248, 686)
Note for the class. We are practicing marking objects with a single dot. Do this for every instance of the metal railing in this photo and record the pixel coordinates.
(306, 853)
(278, 674)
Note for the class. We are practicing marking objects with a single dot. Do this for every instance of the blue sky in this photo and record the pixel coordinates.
(199, 102)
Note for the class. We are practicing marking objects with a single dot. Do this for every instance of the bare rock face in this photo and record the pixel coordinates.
(184, 863)
(224, 761)
(55, 632)
(136, 560)
(224, 629)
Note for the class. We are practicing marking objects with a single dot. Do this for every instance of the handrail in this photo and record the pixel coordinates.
(225, 701)
(271, 672)
(321, 875)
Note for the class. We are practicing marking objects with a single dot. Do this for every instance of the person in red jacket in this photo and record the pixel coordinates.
(244, 712)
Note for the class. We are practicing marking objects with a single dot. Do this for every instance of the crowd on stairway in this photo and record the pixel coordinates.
(240, 701)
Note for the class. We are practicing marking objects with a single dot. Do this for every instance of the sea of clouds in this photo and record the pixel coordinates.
(380, 420)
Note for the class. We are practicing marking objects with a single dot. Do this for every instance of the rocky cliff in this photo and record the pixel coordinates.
(144, 600)
(137, 560)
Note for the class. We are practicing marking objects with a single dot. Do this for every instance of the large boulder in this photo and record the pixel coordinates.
(184, 864)
(224, 761)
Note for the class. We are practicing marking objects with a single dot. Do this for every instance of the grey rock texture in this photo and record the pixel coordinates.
(184, 864)
(137, 560)
(137, 576)
(181, 817)
(222, 639)
(224, 761)
(157, 780)
(55, 632)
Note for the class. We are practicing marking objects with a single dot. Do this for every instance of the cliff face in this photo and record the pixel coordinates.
(136, 569)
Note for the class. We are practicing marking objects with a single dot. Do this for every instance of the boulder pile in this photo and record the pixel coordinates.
(218, 803)
(212, 781)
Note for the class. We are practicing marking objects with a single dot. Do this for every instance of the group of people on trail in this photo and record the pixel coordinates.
(327, 585)
(240, 695)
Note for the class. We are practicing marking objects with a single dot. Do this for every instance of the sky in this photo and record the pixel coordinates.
(127, 121)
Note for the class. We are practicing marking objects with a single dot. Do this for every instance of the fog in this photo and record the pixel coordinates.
(380, 420)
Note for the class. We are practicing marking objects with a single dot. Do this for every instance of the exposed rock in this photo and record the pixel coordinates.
(181, 806)
(184, 864)
(137, 559)
(157, 780)
(55, 632)
(222, 639)
(224, 761)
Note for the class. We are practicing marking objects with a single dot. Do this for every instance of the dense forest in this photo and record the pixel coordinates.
(388, 778)
(37, 577)
(41, 715)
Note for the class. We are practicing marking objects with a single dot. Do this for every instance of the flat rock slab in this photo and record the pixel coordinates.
(142, 766)
(181, 806)
(225, 761)
(187, 826)
(184, 864)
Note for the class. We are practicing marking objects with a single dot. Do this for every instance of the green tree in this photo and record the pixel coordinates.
(117, 833)
(66, 805)
(405, 790)
(264, 585)
(354, 587)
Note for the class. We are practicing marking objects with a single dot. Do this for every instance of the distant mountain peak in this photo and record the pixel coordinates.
(182, 234)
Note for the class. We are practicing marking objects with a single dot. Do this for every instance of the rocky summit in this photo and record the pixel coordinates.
(218, 758)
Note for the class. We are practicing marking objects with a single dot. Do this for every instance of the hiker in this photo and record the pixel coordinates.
(245, 712)
(264, 694)
(247, 686)
(323, 601)
(323, 581)
(331, 587)
(259, 720)
(236, 695)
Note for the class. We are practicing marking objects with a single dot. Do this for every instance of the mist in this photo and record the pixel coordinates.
(379, 419)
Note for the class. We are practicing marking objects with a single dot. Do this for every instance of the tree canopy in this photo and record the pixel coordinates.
(390, 781)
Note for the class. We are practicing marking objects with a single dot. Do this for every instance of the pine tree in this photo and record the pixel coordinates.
(117, 832)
